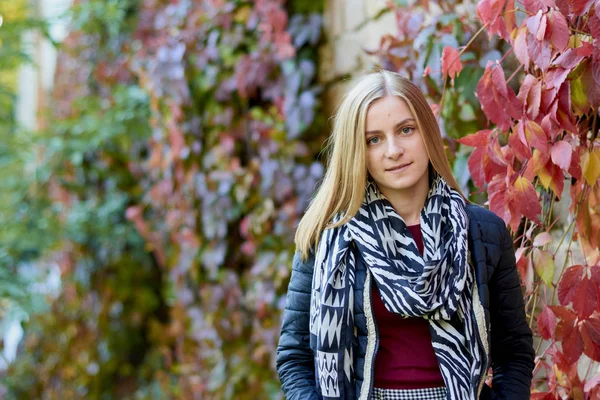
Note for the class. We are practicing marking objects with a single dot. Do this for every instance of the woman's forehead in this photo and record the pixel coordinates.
(388, 110)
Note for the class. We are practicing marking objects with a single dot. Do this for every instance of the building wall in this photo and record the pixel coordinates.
(35, 80)
(350, 28)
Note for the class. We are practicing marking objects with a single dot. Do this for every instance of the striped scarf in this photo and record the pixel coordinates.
(437, 286)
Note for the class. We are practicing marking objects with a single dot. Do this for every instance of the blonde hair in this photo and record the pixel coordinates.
(343, 187)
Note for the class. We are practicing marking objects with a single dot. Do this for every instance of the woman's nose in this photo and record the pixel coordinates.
(394, 148)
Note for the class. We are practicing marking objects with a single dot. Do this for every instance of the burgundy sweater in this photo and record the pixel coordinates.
(405, 359)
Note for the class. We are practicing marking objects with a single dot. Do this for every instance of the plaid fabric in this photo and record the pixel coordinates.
(438, 393)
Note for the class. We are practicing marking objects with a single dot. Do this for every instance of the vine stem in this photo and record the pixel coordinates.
(537, 286)
(514, 73)
(524, 235)
(537, 350)
(563, 237)
(506, 55)
(585, 377)
(535, 296)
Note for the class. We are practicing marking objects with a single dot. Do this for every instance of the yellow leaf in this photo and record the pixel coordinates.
(543, 263)
(590, 166)
(241, 15)
(545, 177)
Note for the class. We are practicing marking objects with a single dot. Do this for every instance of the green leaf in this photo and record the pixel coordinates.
(579, 99)
(543, 263)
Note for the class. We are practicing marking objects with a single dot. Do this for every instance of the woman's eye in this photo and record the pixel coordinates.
(373, 140)
(406, 130)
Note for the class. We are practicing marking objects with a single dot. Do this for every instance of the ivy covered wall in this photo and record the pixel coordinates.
(180, 154)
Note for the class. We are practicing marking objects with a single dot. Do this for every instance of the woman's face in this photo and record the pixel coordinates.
(396, 155)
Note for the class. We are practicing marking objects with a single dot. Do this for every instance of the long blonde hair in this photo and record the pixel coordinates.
(343, 187)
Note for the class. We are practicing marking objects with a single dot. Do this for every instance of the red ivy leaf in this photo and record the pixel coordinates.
(595, 276)
(540, 53)
(572, 342)
(559, 30)
(510, 19)
(526, 87)
(586, 298)
(535, 24)
(519, 146)
(564, 116)
(563, 313)
(476, 169)
(520, 45)
(548, 100)
(555, 78)
(536, 136)
(596, 64)
(490, 12)
(557, 182)
(533, 6)
(498, 101)
(534, 98)
(504, 93)
(566, 330)
(575, 167)
(478, 139)
(561, 154)
(572, 57)
(525, 269)
(552, 177)
(591, 89)
(497, 198)
(580, 7)
(539, 159)
(493, 160)
(569, 284)
(523, 199)
(495, 153)
(546, 323)
(451, 65)
(594, 22)
(530, 95)
(590, 332)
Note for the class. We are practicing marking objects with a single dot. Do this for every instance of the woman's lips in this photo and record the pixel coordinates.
(398, 168)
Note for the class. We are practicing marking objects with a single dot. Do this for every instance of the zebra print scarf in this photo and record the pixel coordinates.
(437, 286)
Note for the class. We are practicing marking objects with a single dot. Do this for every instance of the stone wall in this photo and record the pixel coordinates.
(350, 28)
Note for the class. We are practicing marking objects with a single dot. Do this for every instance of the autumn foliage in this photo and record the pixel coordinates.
(180, 154)
(534, 70)
(541, 150)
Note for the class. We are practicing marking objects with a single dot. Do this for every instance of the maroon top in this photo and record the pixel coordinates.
(405, 359)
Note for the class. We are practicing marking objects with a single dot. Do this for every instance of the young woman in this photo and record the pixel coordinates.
(400, 288)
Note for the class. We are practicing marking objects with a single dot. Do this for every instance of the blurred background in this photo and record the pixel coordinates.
(155, 159)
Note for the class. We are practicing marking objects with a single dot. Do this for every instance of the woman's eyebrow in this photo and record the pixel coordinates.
(399, 124)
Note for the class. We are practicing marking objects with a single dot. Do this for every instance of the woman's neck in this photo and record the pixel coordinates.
(409, 203)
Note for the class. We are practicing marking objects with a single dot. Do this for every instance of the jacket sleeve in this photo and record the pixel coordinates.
(295, 364)
(511, 339)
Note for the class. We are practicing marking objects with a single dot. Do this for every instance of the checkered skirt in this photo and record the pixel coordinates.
(438, 393)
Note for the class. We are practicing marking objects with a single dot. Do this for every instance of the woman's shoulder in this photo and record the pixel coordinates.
(486, 225)
(482, 214)
(302, 264)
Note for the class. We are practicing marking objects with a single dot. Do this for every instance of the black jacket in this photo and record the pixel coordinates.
(510, 339)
